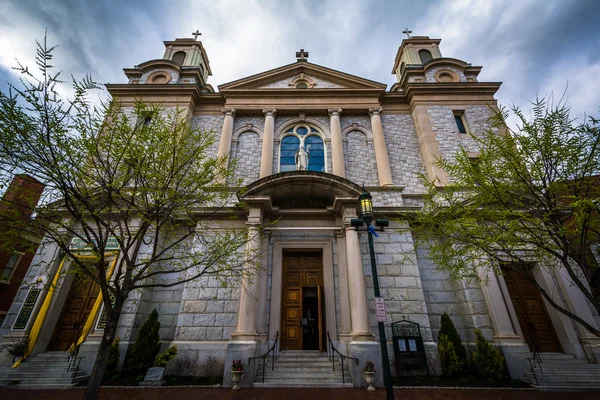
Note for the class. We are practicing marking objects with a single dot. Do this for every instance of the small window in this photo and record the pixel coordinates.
(402, 68)
(425, 55)
(301, 85)
(11, 266)
(460, 122)
(179, 57)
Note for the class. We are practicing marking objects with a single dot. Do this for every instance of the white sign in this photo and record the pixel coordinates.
(380, 308)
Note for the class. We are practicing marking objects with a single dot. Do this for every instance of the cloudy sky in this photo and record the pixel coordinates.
(533, 46)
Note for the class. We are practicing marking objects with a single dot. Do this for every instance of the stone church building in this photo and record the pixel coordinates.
(306, 138)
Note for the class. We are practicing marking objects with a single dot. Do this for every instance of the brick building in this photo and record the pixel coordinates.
(16, 250)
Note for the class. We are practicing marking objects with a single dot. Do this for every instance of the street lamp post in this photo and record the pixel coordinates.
(366, 216)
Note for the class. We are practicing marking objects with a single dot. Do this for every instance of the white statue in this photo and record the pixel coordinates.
(302, 158)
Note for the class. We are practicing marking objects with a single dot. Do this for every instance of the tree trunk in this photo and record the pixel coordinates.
(93, 388)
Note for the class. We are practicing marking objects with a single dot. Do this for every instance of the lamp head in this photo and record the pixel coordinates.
(366, 205)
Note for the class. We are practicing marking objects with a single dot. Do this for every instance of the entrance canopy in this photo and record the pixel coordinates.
(302, 190)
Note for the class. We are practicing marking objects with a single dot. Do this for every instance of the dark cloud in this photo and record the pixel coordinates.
(529, 45)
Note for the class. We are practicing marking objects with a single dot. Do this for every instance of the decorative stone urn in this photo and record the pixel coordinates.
(369, 378)
(236, 377)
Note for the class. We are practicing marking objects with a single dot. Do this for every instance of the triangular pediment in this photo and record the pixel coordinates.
(315, 76)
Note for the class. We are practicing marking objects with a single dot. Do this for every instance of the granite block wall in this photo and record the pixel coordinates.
(403, 151)
(444, 125)
(208, 311)
(399, 280)
(209, 123)
(246, 152)
(359, 159)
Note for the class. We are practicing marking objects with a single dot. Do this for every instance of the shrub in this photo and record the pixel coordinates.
(163, 358)
(463, 381)
(449, 330)
(437, 380)
(488, 359)
(112, 364)
(451, 365)
(146, 346)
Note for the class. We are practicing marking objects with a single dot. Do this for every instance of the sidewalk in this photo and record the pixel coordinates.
(292, 394)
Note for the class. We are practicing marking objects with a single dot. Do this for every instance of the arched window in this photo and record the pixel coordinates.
(312, 141)
(425, 55)
(301, 85)
(402, 68)
(179, 57)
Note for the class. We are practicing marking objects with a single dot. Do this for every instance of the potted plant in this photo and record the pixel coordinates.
(237, 369)
(369, 374)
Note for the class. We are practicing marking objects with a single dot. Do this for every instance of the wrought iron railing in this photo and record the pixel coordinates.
(264, 357)
(536, 355)
(331, 353)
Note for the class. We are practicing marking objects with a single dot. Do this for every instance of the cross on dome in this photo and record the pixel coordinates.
(407, 32)
(196, 34)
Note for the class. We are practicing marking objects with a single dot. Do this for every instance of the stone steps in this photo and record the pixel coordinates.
(563, 372)
(303, 369)
(42, 371)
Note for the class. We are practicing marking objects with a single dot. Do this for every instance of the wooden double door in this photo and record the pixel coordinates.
(303, 310)
(77, 308)
(532, 315)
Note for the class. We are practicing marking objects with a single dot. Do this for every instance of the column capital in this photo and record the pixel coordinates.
(375, 111)
(334, 112)
(228, 111)
(270, 112)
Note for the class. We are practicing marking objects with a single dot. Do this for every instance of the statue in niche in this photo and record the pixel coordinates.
(302, 158)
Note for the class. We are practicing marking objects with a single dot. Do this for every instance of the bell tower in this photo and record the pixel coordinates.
(189, 53)
(184, 62)
(415, 50)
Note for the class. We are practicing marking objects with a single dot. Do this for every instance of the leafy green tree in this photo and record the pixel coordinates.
(140, 176)
(146, 347)
(530, 195)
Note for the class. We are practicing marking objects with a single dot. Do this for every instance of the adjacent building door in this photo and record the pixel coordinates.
(302, 320)
(533, 317)
(77, 308)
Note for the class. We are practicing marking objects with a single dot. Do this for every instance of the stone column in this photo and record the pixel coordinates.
(337, 151)
(226, 132)
(359, 315)
(266, 158)
(381, 154)
(250, 291)
(497, 307)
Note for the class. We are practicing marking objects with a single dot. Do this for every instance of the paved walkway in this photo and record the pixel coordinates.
(292, 394)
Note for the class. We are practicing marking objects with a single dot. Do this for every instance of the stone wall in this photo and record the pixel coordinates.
(359, 159)
(404, 152)
(463, 301)
(246, 152)
(209, 123)
(207, 311)
(444, 125)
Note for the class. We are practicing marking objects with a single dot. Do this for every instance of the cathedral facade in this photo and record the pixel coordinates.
(306, 139)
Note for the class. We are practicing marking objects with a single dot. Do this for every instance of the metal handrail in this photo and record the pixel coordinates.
(266, 355)
(536, 355)
(330, 353)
